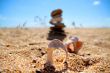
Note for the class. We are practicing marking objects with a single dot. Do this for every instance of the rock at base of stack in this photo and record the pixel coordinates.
(56, 33)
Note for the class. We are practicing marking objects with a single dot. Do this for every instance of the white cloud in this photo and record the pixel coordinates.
(96, 2)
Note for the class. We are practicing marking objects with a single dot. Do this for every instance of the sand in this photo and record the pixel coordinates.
(24, 51)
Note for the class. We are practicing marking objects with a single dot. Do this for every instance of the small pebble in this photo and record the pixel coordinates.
(34, 61)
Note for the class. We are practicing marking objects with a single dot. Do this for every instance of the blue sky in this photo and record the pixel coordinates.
(89, 13)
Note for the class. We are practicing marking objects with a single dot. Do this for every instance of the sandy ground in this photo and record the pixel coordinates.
(24, 51)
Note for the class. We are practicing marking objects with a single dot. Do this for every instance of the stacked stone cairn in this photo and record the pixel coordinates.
(56, 31)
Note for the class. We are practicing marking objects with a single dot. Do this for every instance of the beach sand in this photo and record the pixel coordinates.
(24, 50)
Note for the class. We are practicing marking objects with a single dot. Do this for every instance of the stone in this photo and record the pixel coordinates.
(33, 61)
(56, 31)
(59, 25)
(56, 12)
(56, 20)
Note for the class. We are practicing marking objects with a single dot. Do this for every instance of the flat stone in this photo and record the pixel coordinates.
(56, 20)
(58, 26)
(56, 35)
(56, 12)
(57, 29)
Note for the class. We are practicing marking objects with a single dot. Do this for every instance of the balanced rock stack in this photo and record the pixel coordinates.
(56, 31)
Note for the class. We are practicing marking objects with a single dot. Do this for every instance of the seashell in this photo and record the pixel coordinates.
(55, 44)
(73, 45)
(73, 39)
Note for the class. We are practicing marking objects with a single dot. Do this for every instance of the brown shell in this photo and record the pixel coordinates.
(74, 48)
(56, 12)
